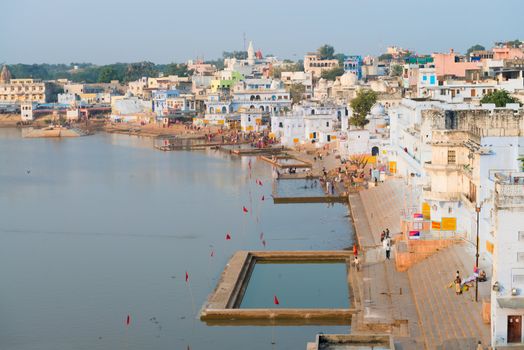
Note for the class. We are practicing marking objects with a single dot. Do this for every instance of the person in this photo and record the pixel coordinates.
(382, 236)
(458, 286)
(387, 232)
(387, 246)
(479, 346)
(356, 263)
(482, 276)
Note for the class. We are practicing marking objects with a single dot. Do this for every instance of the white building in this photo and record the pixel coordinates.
(300, 128)
(251, 122)
(507, 225)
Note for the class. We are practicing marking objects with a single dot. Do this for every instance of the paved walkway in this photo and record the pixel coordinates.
(449, 321)
(386, 294)
(436, 318)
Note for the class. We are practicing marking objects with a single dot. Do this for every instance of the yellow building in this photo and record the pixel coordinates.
(21, 90)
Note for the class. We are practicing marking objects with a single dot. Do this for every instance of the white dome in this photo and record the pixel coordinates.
(378, 110)
(348, 79)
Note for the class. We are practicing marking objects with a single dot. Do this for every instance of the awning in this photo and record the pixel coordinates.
(511, 303)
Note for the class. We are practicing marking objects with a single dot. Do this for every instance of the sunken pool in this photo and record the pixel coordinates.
(318, 285)
(298, 188)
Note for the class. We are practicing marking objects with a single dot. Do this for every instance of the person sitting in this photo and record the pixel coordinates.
(482, 276)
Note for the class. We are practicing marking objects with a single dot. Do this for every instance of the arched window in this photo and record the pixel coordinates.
(252, 98)
(224, 109)
(212, 110)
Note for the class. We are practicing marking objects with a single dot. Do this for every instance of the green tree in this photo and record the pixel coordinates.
(361, 105)
(333, 73)
(476, 47)
(239, 55)
(341, 58)
(326, 52)
(514, 43)
(385, 57)
(297, 92)
(179, 69)
(396, 70)
(499, 97)
(107, 73)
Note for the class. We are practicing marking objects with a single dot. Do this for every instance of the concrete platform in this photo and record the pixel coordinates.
(222, 306)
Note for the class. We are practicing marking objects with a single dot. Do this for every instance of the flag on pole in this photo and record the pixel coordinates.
(128, 320)
(263, 198)
(275, 300)
(228, 236)
(244, 209)
(212, 253)
(187, 277)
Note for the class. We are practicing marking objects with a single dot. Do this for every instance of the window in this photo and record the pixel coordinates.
(521, 236)
(451, 156)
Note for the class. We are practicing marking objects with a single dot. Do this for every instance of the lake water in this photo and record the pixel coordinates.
(95, 228)
(299, 188)
(297, 285)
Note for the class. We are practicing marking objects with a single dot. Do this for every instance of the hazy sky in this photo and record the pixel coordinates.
(162, 31)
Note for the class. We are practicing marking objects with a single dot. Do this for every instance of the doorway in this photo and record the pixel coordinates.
(514, 329)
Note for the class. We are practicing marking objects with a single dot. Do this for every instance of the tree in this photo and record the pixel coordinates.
(297, 92)
(326, 52)
(107, 73)
(476, 47)
(514, 43)
(361, 106)
(499, 97)
(333, 73)
(179, 69)
(341, 58)
(396, 70)
(385, 57)
(239, 55)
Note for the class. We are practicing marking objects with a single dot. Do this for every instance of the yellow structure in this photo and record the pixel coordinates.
(21, 90)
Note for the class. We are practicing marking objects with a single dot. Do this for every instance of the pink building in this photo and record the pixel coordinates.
(507, 53)
(450, 64)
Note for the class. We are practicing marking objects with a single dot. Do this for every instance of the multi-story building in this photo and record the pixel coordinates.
(315, 65)
(16, 91)
(265, 95)
(451, 64)
(507, 282)
(353, 64)
(303, 78)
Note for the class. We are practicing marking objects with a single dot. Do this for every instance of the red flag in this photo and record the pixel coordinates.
(275, 300)
(355, 251)
(187, 277)
(228, 236)
(128, 320)
(244, 209)
(260, 183)
(263, 198)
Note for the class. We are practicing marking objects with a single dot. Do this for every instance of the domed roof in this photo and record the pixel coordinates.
(378, 109)
(349, 79)
(5, 75)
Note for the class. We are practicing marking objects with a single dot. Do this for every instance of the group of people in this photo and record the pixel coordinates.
(386, 242)
(460, 284)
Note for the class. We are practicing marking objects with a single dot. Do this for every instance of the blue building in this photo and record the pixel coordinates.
(159, 98)
(353, 64)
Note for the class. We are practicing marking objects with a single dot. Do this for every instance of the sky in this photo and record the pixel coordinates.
(164, 31)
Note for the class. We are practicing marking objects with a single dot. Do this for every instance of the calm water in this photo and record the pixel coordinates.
(299, 188)
(95, 228)
(307, 285)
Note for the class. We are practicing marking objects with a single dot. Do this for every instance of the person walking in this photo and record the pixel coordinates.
(387, 232)
(356, 263)
(387, 247)
(458, 287)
